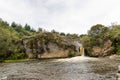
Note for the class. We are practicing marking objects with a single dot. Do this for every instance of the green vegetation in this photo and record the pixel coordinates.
(101, 36)
(17, 56)
(19, 60)
(71, 54)
(10, 37)
(39, 44)
(104, 38)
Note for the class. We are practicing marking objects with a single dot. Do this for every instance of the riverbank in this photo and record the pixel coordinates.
(115, 57)
(112, 57)
(75, 68)
(18, 60)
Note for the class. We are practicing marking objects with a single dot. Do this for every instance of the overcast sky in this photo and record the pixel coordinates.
(69, 16)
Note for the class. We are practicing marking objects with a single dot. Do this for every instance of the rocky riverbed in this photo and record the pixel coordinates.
(76, 68)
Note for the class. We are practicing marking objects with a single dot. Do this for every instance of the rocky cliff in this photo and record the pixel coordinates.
(105, 50)
(50, 45)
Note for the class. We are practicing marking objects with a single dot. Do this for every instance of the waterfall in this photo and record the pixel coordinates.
(79, 48)
(82, 52)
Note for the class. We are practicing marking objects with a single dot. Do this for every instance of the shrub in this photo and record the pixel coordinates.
(18, 56)
(118, 50)
(70, 54)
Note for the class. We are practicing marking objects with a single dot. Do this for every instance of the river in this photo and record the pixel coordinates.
(76, 68)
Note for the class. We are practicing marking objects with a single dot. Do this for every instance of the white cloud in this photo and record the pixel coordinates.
(69, 16)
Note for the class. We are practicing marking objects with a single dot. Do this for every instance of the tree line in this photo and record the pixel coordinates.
(11, 35)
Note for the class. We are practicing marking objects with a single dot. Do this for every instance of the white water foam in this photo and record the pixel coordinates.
(77, 59)
(4, 78)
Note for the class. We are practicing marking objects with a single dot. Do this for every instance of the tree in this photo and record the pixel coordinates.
(115, 38)
(68, 34)
(3, 23)
(18, 28)
(7, 39)
(63, 34)
(53, 31)
(32, 30)
(97, 29)
(14, 25)
(40, 29)
(27, 27)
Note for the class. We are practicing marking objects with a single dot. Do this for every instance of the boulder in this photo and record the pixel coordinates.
(118, 74)
(48, 43)
(105, 50)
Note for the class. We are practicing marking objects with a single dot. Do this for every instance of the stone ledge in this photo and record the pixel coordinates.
(119, 69)
(118, 74)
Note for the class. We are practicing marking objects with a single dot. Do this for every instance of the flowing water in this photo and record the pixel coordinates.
(76, 68)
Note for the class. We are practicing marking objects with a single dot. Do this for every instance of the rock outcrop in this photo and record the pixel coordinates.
(48, 45)
(105, 50)
(118, 74)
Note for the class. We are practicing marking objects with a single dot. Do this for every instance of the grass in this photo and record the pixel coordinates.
(59, 54)
(19, 60)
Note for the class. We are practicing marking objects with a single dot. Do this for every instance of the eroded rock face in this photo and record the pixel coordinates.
(118, 74)
(48, 43)
(28, 50)
(105, 50)
(53, 48)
